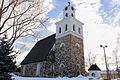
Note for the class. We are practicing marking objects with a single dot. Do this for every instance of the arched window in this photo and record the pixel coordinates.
(59, 29)
(72, 8)
(73, 27)
(66, 8)
(78, 69)
(72, 14)
(66, 14)
(93, 74)
(62, 45)
(53, 48)
(61, 68)
(66, 27)
(61, 65)
(77, 45)
(79, 30)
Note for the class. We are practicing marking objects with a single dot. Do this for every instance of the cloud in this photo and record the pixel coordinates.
(96, 30)
(52, 26)
(27, 43)
(40, 33)
(116, 2)
(116, 21)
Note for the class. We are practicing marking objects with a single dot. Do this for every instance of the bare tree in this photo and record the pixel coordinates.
(19, 18)
(90, 59)
(116, 56)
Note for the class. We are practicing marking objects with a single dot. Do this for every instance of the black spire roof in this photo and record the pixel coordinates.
(40, 51)
(94, 67)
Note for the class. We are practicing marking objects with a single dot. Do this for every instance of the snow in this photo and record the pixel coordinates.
(116, 79)
(14, 77)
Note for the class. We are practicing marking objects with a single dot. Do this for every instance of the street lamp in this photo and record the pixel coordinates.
(107, 70)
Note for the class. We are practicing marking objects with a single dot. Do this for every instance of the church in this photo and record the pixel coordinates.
(60, 54)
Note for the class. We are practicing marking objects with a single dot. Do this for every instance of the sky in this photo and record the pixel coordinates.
(101, 20)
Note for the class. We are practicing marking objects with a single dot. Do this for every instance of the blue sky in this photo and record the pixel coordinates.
(101, 20)
(58, 7)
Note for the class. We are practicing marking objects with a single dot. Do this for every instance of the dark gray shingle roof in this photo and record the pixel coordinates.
(40, 51)
(94, 67)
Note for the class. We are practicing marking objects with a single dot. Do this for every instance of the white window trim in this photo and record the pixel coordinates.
(24, 68)
(38, 69)
(61, 64)
(77, 45)
(62, 45)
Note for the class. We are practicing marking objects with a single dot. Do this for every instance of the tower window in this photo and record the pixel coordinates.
(66, 27)
(72, 8)
(77, 45)
(66, 8)
(59, 29)
(66, 15)
(73, 27)
(72, 14)
(62, 45)
(79, 30)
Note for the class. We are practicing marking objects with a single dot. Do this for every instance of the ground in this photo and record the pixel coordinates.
(14, 77)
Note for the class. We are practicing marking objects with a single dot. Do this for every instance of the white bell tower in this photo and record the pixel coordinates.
(69, 24)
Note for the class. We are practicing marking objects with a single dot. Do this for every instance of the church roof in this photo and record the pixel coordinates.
(94, 67)
(40, 50)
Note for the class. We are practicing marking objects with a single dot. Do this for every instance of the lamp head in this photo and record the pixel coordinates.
(106, 46)
(101, 46)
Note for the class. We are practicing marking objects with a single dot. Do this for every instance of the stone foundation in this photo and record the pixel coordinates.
(30, 69)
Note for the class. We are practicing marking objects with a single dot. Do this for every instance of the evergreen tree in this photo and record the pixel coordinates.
(6, 59)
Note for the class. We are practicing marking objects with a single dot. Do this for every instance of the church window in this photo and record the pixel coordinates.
(72, 8)
(53, 48)
(93, 74)
(66, 14)
(72, 14)
(66, 8)
(62, 45)
(61, 65)
(79, 30)
(73, 27)
(38, 69)
(66, 27)
(23, 71)
(78, 69)
(77, 45)
(61, 68)
(59, 29)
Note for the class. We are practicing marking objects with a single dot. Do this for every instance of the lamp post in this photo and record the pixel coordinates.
(106, 64)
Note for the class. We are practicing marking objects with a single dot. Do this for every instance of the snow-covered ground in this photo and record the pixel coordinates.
(58, 78)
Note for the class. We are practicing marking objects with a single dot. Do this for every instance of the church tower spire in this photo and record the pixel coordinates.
(69, 24)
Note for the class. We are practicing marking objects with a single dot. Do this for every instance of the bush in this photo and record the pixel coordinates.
(5, 76)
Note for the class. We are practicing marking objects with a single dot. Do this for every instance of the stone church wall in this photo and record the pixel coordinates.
(69, 60)
(70, 55)
(29, 69)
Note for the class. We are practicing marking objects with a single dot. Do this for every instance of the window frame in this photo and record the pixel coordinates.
(79, 30)
(59, 29)
(73, 27)
(66, 14)
(66, 27)
(72, 14)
